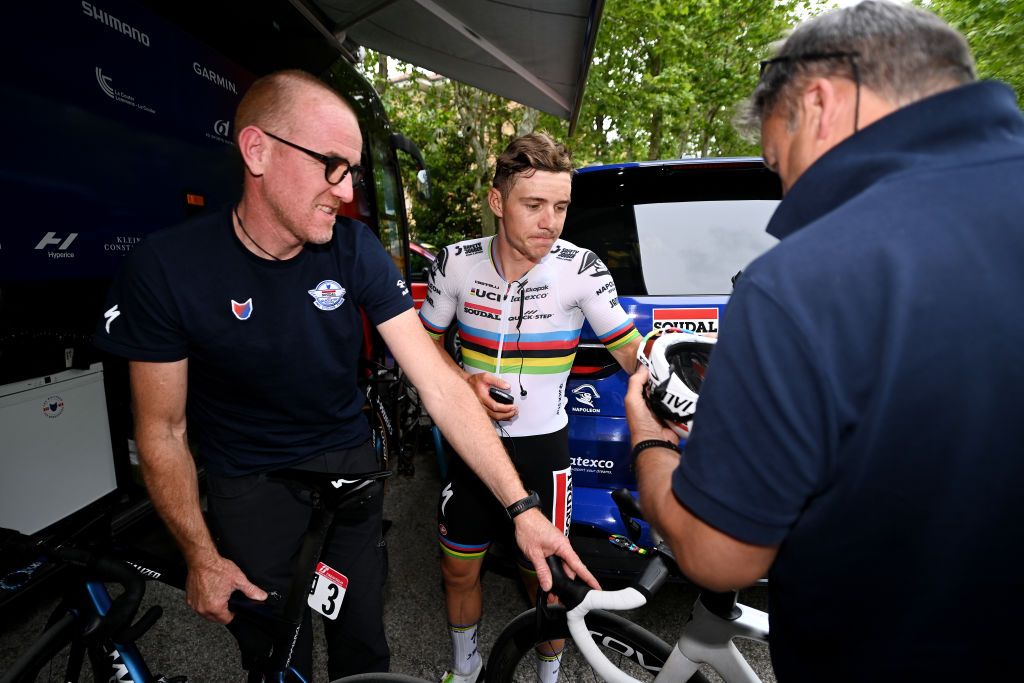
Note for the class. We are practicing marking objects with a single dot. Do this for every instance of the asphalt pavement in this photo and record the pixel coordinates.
(182, 643)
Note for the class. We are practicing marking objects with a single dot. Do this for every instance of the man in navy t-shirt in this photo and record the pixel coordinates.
(243, 331)
(858, 436)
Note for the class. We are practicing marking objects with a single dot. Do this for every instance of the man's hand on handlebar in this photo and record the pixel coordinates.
(538, 538)
(210, 584)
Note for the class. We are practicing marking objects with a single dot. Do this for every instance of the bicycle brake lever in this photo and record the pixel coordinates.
(628, 510)
(570, 591)
(247, 608)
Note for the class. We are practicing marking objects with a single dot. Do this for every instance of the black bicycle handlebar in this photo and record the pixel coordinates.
(117, 622)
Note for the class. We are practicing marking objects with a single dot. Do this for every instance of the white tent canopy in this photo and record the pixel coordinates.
(536, 52)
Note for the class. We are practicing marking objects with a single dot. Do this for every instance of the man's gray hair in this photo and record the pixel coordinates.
(900, 52)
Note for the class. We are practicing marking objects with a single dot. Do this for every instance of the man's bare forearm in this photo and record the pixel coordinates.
(461, 418)
(449, 361)
(170, 475)
(654, 481)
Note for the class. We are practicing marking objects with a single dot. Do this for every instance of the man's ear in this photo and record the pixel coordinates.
(823, 105)
(494, 201)
(253, 146)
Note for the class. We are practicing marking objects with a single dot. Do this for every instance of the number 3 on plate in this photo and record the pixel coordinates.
(327, 591)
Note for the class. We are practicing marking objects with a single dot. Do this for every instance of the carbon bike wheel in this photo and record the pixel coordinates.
(636, 651)
(58, 655)
(379, 678)
(381, 427)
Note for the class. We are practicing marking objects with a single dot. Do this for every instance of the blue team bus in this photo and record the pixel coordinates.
(673, 235)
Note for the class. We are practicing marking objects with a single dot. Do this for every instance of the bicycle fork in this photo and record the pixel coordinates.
(707, 637)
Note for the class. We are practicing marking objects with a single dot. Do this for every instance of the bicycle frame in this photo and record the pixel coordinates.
(128, 660)
(87, 603)
(707, 638)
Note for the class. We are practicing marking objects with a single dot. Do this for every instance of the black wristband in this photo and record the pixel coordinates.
(651, 443)
(520, 506)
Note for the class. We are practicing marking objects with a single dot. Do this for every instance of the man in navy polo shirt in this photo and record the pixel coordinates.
(242, 329)
(858, 436)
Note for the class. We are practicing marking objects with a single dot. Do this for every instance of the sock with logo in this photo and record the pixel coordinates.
(547, 667)
(465, 657)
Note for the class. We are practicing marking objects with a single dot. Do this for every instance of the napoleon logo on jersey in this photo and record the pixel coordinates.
(590, 260)
(439, 263)
(328, 295)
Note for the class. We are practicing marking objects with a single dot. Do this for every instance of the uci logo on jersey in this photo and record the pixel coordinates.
(328, 295)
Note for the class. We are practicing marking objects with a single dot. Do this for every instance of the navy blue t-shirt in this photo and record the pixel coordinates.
(272, 346)
(862, 407)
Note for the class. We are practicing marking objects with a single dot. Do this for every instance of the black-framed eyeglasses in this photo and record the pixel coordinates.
(335, 168)
(766, 70)
(809, 57)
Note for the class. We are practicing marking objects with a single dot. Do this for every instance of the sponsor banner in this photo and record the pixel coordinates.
(698, 320)
(135, 87)
(583, 399)
(116, 58)
(593, 465)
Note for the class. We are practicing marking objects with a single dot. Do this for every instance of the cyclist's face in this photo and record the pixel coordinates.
(531, 217)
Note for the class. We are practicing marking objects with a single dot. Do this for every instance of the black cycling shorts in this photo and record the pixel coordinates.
(258, 522)
(469, 517)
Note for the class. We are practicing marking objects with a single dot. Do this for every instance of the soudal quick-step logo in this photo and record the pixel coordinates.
(691, 319)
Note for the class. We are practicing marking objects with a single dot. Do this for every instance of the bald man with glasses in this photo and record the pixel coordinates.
(243, 333)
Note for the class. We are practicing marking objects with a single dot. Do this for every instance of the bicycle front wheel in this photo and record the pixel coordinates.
(56, 656)
(379, 678)
(636, 651)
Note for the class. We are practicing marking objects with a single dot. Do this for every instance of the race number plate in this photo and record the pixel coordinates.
(327, 591)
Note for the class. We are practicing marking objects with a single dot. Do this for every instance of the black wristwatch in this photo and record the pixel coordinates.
(520, 506)
(650, 443)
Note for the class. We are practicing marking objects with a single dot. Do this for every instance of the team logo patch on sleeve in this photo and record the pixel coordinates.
(328, 295)
(242, 311)
(439, 264)
(592, 262)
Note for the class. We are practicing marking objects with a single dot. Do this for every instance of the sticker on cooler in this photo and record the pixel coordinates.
(327, 591)
(699, 320)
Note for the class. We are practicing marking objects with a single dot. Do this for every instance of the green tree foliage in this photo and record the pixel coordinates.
(667, 74)
(995, 31)
(460, 131)
(664, 81)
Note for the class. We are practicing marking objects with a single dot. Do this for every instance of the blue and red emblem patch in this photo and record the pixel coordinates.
(242, 311)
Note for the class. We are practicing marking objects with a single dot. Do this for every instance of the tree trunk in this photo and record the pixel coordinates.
(529, 121)
(473, 105)
(654, 150)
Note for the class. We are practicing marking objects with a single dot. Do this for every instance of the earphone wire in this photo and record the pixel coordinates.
(519, 334)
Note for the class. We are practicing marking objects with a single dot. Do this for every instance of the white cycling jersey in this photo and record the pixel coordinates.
(525, 331)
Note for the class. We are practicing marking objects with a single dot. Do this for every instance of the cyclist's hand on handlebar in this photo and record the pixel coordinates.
(539, 539)
(643, 424)
(481, 384)
(210, 584)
